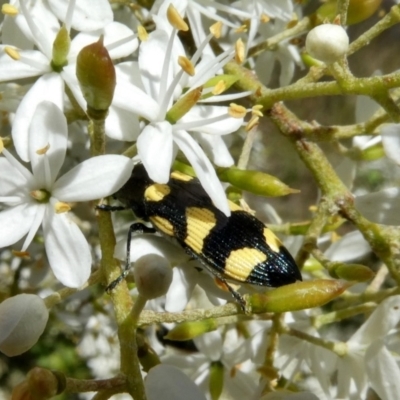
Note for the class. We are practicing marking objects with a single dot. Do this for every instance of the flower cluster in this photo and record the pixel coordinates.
(89, 90)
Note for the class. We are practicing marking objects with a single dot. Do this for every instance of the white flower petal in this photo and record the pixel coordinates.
(385, 317)
(142, 245)
(119, 40)
(155, 149)
(93, 179)
(350, 247)
(15, 223)
(67, 249)
(169, 383)
(210, 344)
(12, 183)
(122, 124)
(180, 291)
(383, 371)
(68, 74)
(204, 169)
(49, 87)
(48, 128)
(12, 34)
(23, 319)
(204, 113)
(365, 108)
(39, 24)
(382, 207)
(216, 149)
(151, 62)
(129, 97)
(87, 16)
(12, 69)
(391, 141)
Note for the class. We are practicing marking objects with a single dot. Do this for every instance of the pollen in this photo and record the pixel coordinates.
(43, 150)
(21, 254)
(215, 29)
(186, 65)
(236, 111)
(252, 123)
(12, 53)
(264, 18)
(61, 207)
(176, 20)
(8, 9)
(239, 51)
(219, 88)
(241, 29)
(142, 33)
(256, 110)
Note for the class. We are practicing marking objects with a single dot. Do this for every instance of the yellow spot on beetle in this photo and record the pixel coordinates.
(180, 176)
(272, 240)
(200, 221)
(163, 225)
(156, 192)
(241, 263)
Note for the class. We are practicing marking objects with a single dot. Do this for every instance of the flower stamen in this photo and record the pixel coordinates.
(175, 19)
(61, 207)
(8, 9)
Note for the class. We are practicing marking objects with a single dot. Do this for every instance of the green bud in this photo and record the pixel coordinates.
(189, 330)
(358, 11)
(372, 153)
(216, 379)
(96, 75)
(351, 272)
(255, 182)
(297, 296)
(183, 105)
(61, 46)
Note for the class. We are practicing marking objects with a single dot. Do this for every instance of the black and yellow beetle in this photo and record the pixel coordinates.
(239, 248)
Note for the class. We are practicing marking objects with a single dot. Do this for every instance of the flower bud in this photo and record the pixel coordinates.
(191, 329)
(61, 46)
(256, 182)
(359, 10)
(216, 379)
(43, 384)
(22, 321)
(153, 276)
(96, 75)
(351, 272)
(297, 296)
(327, 43)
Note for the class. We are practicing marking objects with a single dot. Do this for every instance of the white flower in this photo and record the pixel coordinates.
(38, 197)
(169, 383)
(367, 354)
(22, 321)
(41, 28)
(162, 82)
(229, 352)
(327, 42)
(278, 14)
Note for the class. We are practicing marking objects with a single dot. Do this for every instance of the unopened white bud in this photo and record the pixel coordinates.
(153, 276)
(22, 321)
(327, 43)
